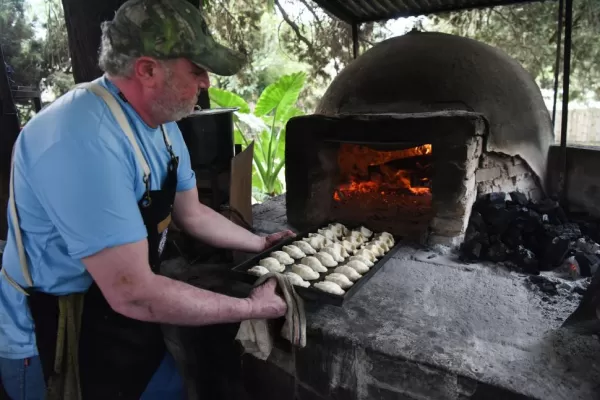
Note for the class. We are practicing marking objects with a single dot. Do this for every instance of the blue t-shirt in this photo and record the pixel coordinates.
(77, 187)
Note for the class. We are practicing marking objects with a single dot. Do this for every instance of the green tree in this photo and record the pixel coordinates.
(528, 32)
(41, 62)
(58, 75)
(239, 25)
(22, 51)
(281, 36)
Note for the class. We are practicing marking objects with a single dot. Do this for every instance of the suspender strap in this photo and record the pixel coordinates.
(12, 282)
(166, 137)
(119, 115)
(17, 230)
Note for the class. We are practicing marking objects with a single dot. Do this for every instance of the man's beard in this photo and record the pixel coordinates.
(169, 108)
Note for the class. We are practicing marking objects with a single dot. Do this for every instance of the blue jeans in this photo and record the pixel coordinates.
(24, 380)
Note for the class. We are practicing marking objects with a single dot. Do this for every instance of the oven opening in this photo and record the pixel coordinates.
(386, 183)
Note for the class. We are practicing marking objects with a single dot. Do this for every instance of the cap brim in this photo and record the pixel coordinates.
(220, 60)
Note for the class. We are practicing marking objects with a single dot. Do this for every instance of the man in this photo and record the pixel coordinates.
(97, 176)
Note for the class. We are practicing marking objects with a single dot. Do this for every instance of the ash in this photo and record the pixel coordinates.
(556, 293)
(556, 296)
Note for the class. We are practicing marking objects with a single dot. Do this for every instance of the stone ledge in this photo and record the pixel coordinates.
(484, 334)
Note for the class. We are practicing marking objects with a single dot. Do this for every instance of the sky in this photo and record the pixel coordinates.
(37, 7)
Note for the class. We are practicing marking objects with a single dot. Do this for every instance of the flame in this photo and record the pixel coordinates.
(354, 162)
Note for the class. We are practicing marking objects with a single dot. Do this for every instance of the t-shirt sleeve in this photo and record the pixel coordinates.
(186, 178)
(88, 191)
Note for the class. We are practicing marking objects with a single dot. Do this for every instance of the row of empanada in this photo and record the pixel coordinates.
(339, 242)
(350, 252)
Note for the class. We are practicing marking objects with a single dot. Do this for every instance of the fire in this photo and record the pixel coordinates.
(379, 173)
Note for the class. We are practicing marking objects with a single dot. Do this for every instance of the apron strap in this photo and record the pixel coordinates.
(168, 142)
(119, 115)
(17, 230)
(166, 136)
(65, 382)
(12, 282)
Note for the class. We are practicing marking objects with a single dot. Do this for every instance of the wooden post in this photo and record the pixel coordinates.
(559, 27)
(564, 182)
(83, 19)
(9, 130)
(203, 97)
(355, 27)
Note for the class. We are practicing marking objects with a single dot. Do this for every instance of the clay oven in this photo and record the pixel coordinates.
(408, 135)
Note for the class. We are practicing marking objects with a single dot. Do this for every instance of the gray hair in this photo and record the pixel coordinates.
(111, 61)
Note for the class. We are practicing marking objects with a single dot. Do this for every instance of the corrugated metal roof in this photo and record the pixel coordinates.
(356, 11)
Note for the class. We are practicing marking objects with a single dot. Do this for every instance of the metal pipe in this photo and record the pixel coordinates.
(559, 25)
(355, 39)
(565, 107)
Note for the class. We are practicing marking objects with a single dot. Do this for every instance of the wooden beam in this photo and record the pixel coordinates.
(25, 94)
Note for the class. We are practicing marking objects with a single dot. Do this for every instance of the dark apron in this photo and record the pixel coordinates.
(117, 355)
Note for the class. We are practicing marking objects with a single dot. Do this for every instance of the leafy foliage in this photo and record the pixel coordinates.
(20, 47)
(528, 32)
(284, 36)
(266, 127)
(321, 41)
(57, 60)
(41, 62)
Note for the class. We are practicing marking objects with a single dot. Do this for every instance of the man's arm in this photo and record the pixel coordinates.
(202, 222)
(131, 289)
(206, 225)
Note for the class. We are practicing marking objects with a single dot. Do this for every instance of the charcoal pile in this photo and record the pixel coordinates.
(529, 236)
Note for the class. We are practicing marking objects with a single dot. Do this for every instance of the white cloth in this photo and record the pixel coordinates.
(255, 336)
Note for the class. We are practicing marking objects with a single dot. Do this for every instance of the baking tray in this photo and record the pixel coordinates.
(239, 272)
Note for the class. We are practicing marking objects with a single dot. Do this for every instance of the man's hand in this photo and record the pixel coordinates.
(265, 303)
(274, 238)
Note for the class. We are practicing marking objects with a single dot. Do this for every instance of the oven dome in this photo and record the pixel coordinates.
(424, 72)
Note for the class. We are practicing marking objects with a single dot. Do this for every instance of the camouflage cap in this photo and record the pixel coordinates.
(170, 29)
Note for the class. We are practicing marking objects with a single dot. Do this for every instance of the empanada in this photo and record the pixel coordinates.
(329, 287)
(258, 270)
(326, 259)
(360, 267)
(341, 279)
(349, 272)
(305, 247)
(296, 279)
(283, 257)
(272, 264)
(294, 251)
(314, 263)
(305, 272)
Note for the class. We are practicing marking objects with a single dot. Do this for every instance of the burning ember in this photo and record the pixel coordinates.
(383, 173)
